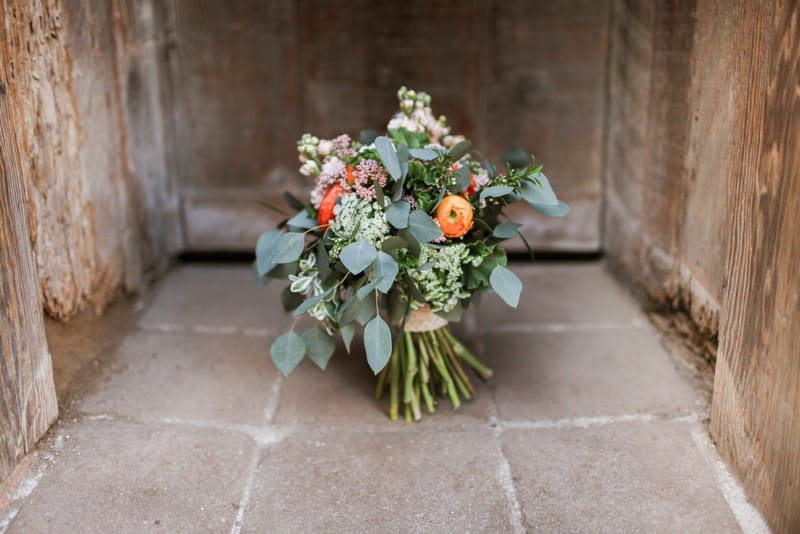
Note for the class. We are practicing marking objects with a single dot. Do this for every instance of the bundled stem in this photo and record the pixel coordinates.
(424, 366)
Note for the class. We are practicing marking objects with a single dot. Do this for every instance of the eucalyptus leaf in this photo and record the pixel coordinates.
(506, 230)
(403, 156)
(422, 227)
(303, 221)
(539, 194)
(388, 155)
(396, 306)
(411, 241)
(424, 154)
(427, 266)
(379, 198)
(463, 179)
(366, 310)
(367, 137)
(319, 346)
(561, 210)
(378, 343)
(265, 251)
(393, 243)
(358, 256)
(368, 288)
(323, 261)
(490, 169)
(311, 302)
(496, 191)
(453, 315)
(516, 158)
(386, 270)
(397, 214)
(290, 300)
(293, 201)
(460, 150)
(506, 284)
(287, 351)
(347, 332)
(289, 247)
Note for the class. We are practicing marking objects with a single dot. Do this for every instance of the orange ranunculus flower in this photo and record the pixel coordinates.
(349, 176)
(325, 214)
(454, 215)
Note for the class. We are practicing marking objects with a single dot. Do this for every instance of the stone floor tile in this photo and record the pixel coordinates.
(193, 376)
(123, 477)
(546, 375)
(216, 296)
(344, 396)
(616, 478)
(555, 293)
(407, 481)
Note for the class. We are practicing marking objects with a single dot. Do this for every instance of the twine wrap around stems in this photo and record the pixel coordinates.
(427, 362)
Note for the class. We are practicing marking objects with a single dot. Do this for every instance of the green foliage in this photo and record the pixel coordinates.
(506, 284)
(422, 227)
(358, 256)
(460, 150)
(289, 247)
(388, 154)
(506, 230)
(287, 351)
(319, 345)
(378, 343)
(397, 214)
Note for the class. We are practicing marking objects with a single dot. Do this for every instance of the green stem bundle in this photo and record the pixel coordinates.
(425, 366)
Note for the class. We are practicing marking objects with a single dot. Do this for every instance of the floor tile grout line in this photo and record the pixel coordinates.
(747, 516)
(504, 476)
(595, 421)
(244, 501)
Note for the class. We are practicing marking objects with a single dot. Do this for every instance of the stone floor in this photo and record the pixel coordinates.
(589, 425)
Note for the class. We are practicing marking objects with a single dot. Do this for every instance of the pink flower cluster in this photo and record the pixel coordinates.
(333, 171)
(367, 173)
(342, 147)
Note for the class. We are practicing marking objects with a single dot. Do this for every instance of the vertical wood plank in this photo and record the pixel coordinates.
(27, 395)
(756, 404)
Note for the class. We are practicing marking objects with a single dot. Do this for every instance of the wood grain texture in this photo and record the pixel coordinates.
(505, 73)
(100, 207)
(27, 395)
(662, 170)
(756, 405)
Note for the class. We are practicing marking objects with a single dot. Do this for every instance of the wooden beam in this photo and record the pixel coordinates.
(27, 395)
(756, 405)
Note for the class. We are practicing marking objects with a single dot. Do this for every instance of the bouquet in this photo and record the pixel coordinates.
(402, 233)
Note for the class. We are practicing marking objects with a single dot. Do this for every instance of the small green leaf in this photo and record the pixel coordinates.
(292, 201)
(388, 155)
(561, 210)
(290, 300)
(516, 158)
(379, 198)
(289, 247)
(490, 169)
(422, 227)
(453, 315)
(460, 150)
(539, 194)
(303, 221)
(496, 191)
(347, 332)
(358, 256)
(396, 306)
(386, 270)
(506, 230)
(319, 346)
(265, 251)
(366, 310)
(424, 154)
(506, 284)
(393, 243)
(323, 261)
(287, 351)
(403, 156)
(397, 214)
(463, 178)
(378, 343)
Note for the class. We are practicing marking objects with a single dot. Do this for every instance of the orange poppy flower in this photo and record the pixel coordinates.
(325, 214)
(454, 215)
(349, 176)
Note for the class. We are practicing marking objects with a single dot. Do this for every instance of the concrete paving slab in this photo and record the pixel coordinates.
(615, 478)
(344, 396)
(216, 296)
(380, 482)
(546, 375)
(124, 477)
(554, 293)
(194, 376)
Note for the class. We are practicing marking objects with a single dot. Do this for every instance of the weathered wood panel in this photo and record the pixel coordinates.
(545, 89)
(87, 124)
(664, 165)
(505, 73)
(27, 395)
(756, 405)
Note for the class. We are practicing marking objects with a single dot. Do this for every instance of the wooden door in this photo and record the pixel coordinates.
(251, 76)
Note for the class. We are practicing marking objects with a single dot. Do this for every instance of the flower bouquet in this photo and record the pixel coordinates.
(402, 233)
